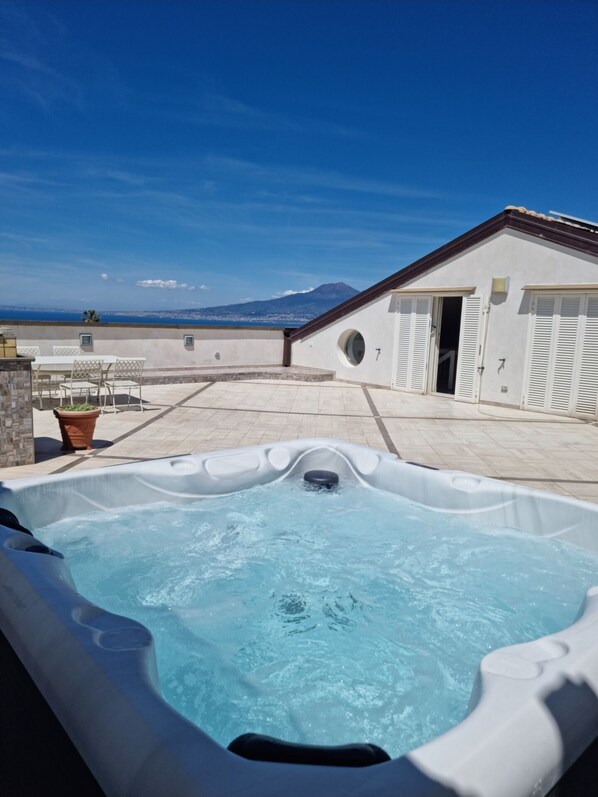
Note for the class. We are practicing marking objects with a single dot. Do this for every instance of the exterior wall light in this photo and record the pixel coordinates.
(500, 284)
(85, 339)
(188, 340)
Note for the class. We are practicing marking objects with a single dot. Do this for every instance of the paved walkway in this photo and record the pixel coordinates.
(544, 451)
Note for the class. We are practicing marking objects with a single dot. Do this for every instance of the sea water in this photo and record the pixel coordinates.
(322, 618)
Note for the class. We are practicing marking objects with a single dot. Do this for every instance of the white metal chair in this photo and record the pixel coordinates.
(42, 382)
(65, 351)
(86, 375)
(125, 374)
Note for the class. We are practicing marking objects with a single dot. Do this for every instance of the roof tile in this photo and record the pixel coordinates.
(580, 226)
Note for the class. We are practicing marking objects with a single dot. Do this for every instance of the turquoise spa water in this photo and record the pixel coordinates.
(322, 618)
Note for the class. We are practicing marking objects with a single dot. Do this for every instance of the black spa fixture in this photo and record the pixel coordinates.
(257, 747)
(11, 521)
(320, 479)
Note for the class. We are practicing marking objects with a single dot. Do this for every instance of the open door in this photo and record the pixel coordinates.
(471, 337)
(444, 351)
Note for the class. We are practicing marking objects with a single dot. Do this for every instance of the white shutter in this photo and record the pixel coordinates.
(470, 349)
(538, 371)
(412, 339)
(402, 337)
(565, 342)
(562, 371)
(586, 399)
(421, 343)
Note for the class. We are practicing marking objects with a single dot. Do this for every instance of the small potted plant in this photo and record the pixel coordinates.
(77, 423)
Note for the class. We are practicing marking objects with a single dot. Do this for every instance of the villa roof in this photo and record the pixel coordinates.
(566, 231)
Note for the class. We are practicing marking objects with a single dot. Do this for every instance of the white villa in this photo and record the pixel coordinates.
(505, 314)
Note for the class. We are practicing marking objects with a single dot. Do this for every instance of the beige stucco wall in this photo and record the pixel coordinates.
(524, 259)
(162, 346)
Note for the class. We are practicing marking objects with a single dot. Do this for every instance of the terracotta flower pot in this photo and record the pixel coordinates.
(76, 428)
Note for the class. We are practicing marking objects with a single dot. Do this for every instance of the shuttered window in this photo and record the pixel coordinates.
(541, 348)
(412, 342)
(565, 345)
(562, 362)
(586, 400)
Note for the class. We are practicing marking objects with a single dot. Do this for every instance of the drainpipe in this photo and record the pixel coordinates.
(286, 348)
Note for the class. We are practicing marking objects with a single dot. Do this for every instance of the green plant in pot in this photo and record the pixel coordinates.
(77, 423)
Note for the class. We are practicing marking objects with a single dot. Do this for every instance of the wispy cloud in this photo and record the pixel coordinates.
(214, 204)
(117, 175)
(169, 285)
(329, 180)
(280, 294)
(218, 109)
(25, 240)
(19, 181)
(43, 62)
(213, 106)
(107, 278)
(252, 225)
(30, 74)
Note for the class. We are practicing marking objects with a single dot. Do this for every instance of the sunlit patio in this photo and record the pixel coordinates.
(548, 452)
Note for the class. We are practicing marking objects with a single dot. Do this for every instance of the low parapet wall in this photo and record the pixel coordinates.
(162, 345)
(169, 376)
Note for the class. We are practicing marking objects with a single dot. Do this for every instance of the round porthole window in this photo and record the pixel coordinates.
(352, 345)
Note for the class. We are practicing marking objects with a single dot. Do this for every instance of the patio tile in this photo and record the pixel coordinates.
(586, 490)
(552, 452)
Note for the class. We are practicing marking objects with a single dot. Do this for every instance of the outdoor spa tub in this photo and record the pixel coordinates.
(533, 709)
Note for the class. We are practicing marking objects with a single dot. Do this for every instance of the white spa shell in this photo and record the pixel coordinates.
(533, 711)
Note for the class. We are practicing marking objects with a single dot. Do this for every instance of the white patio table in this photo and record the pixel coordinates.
(61, 363)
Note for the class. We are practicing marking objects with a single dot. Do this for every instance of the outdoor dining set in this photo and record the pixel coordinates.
(75, 377)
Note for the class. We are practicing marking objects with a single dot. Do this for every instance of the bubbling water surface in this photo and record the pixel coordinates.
(322, 618)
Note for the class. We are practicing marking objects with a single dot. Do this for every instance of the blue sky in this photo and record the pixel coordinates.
(184, 154)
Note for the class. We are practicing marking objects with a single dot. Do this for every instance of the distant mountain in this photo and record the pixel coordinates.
(298, 307)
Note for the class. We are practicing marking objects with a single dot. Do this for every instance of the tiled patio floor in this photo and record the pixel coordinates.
(544, 451)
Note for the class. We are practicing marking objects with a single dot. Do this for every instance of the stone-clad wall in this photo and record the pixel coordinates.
(16, 416)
